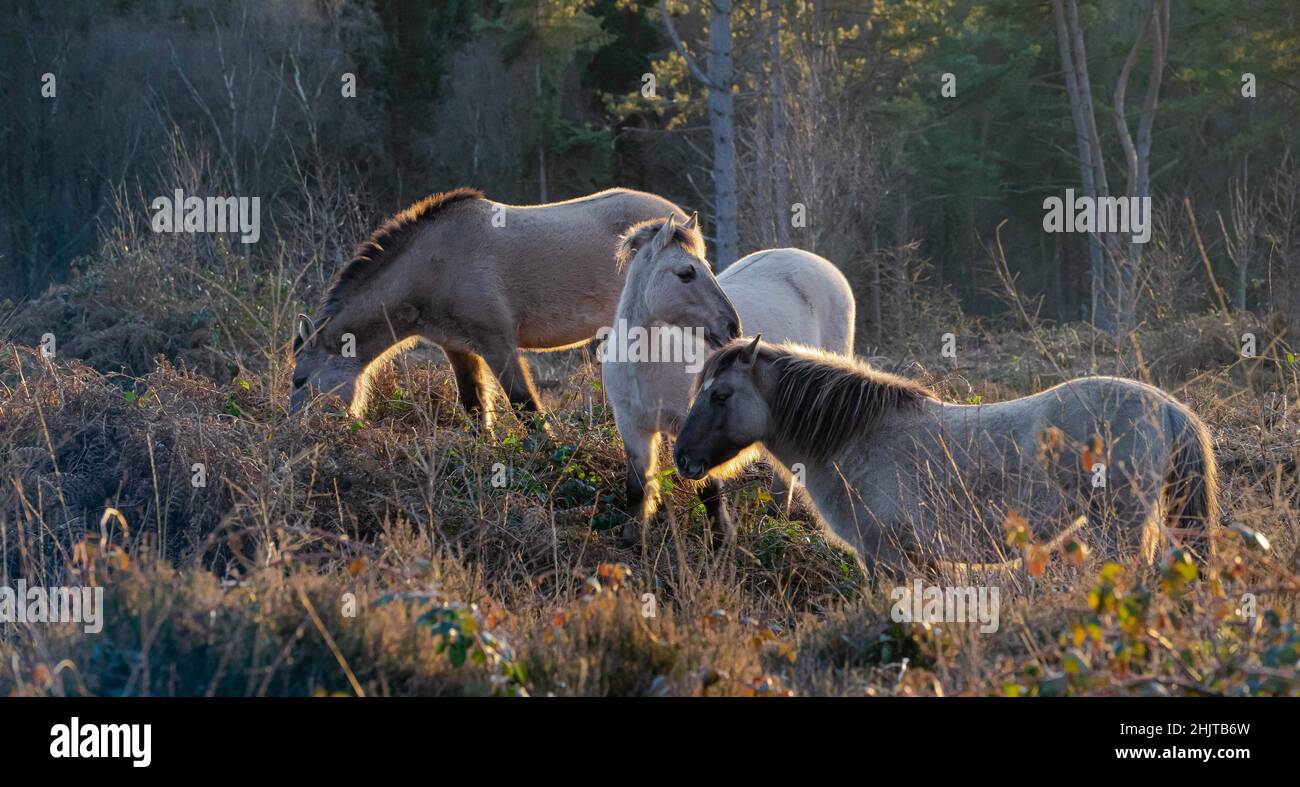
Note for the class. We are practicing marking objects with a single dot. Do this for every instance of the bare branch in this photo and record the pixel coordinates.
(681, 49)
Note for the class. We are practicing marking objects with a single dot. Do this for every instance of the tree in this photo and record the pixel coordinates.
(1137, 156)
(555, 33)
(776, 89)
(722, 125)
(1114, 264)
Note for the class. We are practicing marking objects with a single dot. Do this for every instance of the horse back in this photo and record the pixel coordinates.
(553, 265)
(792, 295)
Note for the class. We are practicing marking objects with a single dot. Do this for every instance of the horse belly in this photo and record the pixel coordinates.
(556, 321)
(563, 291)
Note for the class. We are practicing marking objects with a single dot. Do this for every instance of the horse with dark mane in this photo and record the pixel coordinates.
(903, 478)
(671, 292)
(480, 279)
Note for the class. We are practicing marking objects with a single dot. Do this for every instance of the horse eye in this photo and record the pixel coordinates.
(687, 275)
(720, 397)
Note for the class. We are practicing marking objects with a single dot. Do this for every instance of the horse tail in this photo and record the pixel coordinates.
(1192, 486)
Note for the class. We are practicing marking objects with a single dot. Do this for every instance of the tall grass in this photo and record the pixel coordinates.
(404, 553)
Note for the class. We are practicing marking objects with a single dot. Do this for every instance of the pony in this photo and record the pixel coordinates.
(479, 278)
(891, 468)
(673, 309)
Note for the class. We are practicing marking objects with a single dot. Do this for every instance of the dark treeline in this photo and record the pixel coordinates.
(839, 118)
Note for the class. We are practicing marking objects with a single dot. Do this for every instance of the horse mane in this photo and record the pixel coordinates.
(641, 233)
(390, 238)
(823, 400)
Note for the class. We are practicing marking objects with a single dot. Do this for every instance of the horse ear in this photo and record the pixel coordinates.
(665, 235)
(749, 354)
(693, 221)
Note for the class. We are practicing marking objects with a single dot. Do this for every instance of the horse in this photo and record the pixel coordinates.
(479, 278)
(673, 309)
(897, 475)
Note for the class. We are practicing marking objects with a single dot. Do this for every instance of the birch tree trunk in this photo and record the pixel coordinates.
(904, 238)
(1137, 156)
(780, 173)
(1080, 109)
(1115, 262)
(722, 126)
(541, 134)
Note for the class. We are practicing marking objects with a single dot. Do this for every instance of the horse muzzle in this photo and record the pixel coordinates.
(721, 335)
(691, 469)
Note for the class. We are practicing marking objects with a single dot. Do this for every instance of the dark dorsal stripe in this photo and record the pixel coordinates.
(386, 241)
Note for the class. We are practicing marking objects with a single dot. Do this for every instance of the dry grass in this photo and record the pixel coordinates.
(219, 589)
(326, 554)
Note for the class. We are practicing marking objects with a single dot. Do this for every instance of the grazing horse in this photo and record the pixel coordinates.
(899, 475)
(478, 278)
(673, 309)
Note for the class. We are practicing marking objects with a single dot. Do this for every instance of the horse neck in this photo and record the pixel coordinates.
(814, 458)
(787, 452)
(792, 455)
(631, 307)
(662, 387)
(374, 323)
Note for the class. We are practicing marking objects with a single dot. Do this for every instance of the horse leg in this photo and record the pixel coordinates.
(642, 460)
(472, 383)
(512, 372)
(720, 524)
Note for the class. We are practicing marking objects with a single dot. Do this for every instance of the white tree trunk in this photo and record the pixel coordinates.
(1074, 66)
(780, 175)
(722, 124)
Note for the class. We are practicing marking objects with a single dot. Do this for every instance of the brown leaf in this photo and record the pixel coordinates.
(1036, 560)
